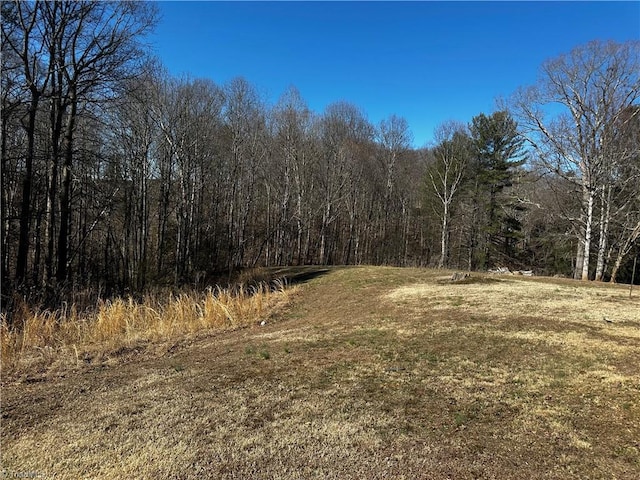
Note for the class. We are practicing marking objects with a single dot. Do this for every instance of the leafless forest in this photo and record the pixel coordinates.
(117, 177)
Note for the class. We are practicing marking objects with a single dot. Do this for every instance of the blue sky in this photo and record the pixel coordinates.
(425, 61)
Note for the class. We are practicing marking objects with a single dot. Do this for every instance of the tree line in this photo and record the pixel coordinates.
(119, 176)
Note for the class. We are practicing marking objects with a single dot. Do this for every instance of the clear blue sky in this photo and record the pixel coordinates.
(425, 61)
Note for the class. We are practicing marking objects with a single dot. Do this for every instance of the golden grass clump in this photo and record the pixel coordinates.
(44, 336)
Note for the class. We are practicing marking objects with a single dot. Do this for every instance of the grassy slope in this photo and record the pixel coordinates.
(372, 373)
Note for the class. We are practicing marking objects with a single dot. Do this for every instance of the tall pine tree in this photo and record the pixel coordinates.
(498, 154)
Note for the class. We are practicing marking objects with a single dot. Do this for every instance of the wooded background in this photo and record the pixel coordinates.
(118, 176)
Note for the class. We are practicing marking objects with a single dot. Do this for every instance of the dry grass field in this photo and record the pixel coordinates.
(44, 340)
(368, 373)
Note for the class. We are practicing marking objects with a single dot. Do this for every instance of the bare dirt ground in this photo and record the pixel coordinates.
(371, 373)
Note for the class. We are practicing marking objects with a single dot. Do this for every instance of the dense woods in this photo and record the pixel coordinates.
(118, 176)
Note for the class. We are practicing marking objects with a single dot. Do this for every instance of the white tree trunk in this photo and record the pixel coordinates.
(604, 232)
(624, 251)
(587, 233)
(577, 271)
(444, 235)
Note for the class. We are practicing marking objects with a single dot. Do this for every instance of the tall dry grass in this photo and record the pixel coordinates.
(44, 337)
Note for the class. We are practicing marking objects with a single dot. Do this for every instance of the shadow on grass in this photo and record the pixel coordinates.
(472, 280)
(299, 275)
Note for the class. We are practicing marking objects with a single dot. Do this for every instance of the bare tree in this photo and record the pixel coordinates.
(72, 54)
(623, 207)
(446, 173)
(99, 46)
(14, 97)
(134, 137)
(343, 127)
(23, 38)
(593, 84)
(394, 139)
(246, 123)
(288, 176)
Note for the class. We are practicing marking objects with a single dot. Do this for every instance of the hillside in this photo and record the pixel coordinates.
(370, 373)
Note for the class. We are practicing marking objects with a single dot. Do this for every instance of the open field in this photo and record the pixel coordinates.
(369, 373)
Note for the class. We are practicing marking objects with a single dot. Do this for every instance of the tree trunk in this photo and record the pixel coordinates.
(604, 232)
(4, 206)
(587, 233)
(624, 251)
(579, 257)
(323, 233)
(406, 214)
(65, 204)
(25, 209)
(56, 114)
(444, 235)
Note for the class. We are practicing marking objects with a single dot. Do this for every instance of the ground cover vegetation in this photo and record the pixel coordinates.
(368, 373)
(70, 337)
(117, 176)
(143, 213)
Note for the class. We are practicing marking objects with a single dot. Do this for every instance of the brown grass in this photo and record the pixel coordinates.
(370, 373)
(66, 337)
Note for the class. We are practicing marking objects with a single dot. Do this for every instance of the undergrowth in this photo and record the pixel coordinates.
(41, 337)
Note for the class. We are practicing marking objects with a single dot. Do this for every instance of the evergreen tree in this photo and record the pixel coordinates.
(498, 154)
